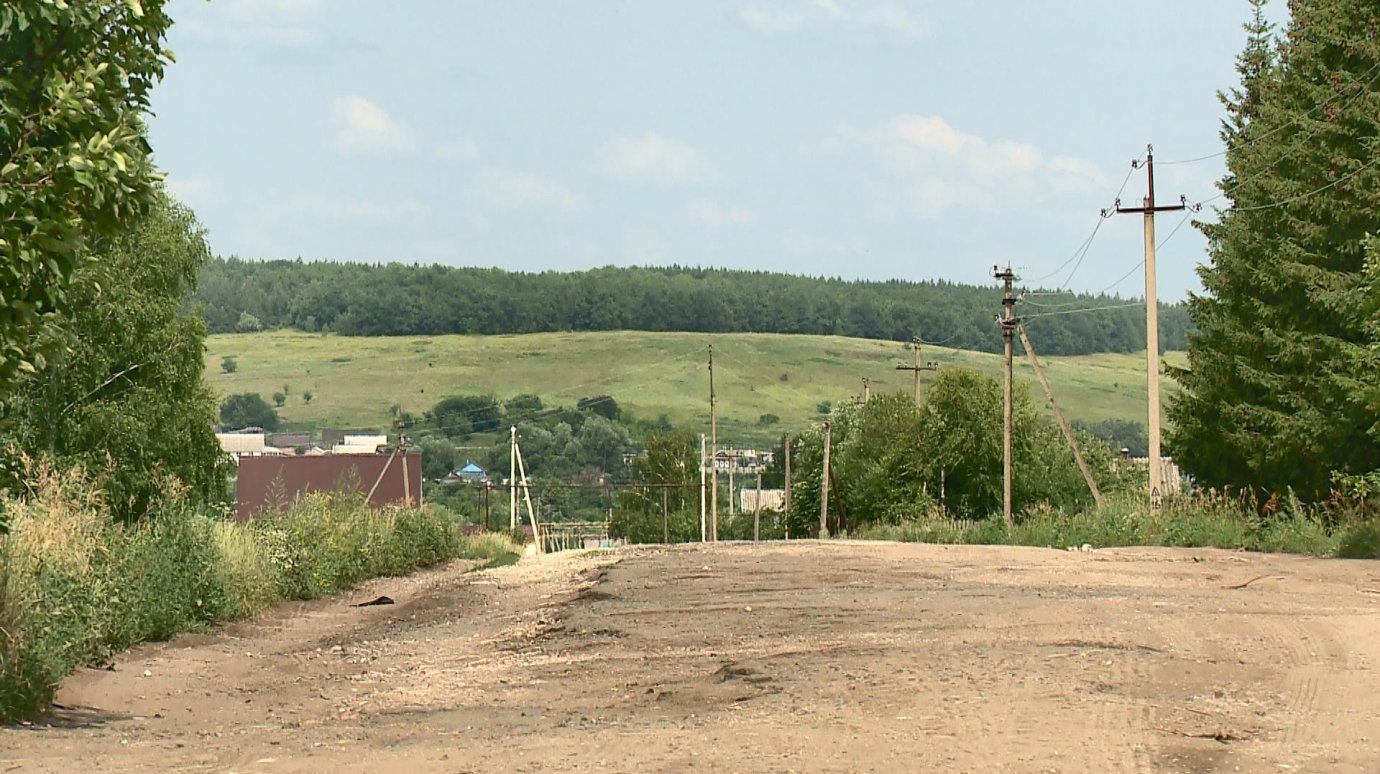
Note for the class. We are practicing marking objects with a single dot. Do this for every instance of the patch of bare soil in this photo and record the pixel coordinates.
(783, 657)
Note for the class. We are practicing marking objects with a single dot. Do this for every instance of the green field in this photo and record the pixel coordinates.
(356, 381)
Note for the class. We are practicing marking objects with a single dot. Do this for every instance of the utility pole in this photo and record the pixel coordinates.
(917, 368)
(1008, 323)
(732, 493)
(665, 518)
(1059, 415)
(512, 482)
(488, 525)
(786, 447)
(824, 488)
(1152, 317)
(713, 453)
(867, 389)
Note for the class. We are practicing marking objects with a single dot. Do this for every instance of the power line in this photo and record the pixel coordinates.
(1087, 243)
(1084, 311)
(1314, 192)
(1141, 263)
(1286, 124)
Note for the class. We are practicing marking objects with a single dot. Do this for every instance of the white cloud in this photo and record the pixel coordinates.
(458, 150)
(363, 127)
(764, 20)
(708, 213)
(508, 190)
(941, 167)
(194, 191)
(890, 15)
(282, 23)
(656, 158)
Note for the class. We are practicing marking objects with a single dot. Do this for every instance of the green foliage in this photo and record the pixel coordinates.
(307, 395)
(896, 462)
(74, 164)
(228, 365)
(279, 399)
(667, 475)
(362, 300)
(603, 405)
(1280, 392)
(463, 415)
(125, 394)
(438, 457)
(248, 409)
(522, 404)
(1118, 434)
(76, 585)
(248, 323)
(767, 420)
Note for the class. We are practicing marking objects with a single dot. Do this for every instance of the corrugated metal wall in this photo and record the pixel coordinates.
(267, 482)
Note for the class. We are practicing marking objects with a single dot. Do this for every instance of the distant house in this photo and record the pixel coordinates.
(471, 473)
(286, 441)
(360, 444)
(245, 445)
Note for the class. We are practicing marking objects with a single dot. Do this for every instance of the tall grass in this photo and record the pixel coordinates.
(1210, 520)
(75, 586)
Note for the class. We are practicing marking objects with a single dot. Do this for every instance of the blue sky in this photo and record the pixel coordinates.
(857, 138)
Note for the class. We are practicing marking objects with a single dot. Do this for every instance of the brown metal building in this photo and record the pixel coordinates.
(275, 482)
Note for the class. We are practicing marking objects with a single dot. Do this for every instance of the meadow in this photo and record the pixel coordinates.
(355, 381)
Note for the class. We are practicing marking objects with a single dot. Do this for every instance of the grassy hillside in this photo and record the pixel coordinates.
(356, 380)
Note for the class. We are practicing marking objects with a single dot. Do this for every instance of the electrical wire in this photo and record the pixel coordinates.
(1083, 311)
(1288, 123)
(1087, 243)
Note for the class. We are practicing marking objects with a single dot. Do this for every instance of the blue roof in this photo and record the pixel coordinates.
(471, 468)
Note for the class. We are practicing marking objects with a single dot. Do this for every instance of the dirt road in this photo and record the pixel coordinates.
(779, 657)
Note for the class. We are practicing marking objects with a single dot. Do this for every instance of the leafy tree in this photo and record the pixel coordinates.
(603, 405)
(438, 457)
(1118, 434)
(1278, 389)
(247, 409)
(671, 464)
(74, 164)
(522, 405)
(307, 395)
(248, 323)
(125, 398)
(767, 420)
(279, 399)
(461, 415)
(229, 365)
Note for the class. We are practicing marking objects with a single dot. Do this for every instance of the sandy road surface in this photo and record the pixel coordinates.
(780, 657)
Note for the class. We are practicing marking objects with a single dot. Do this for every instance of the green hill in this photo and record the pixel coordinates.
(356, 380)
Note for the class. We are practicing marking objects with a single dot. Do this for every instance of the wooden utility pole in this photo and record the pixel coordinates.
(665, 517)
(1008, 323)
(488, 487)
(512, 481)
(1059, 415)
(527, 496)
(757, 509)
(824, 488)
(1152, 318)
(917, 368)
(713, 453)
(786, 447)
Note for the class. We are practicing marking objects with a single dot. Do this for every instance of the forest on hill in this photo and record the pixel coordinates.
(354, 299)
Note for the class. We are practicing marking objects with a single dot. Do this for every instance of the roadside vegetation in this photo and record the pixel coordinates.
(76, 586)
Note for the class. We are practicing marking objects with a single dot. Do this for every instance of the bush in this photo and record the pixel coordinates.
(75, 585)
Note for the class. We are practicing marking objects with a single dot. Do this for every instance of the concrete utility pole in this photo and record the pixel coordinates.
(1152, 318)
(732, 494)
(824, 488)
(512, 481)
(1008, 323)
(867, 389)
(665, 517)
(1063, 423)
(713, 453)
(917, 368)
(786, 447)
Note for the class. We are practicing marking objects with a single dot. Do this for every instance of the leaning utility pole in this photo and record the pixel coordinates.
(917, 368)
(786, 446)
(1059, 415)
(1008, 323)
(824, 488)
(713, 453)
(1152, 315)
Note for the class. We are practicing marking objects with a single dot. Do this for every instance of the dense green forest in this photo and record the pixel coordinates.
(402, 300)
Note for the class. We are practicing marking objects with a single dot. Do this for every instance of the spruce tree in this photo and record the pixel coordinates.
(1276, 392)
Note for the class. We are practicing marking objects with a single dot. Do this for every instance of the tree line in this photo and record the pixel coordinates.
(355, 299)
